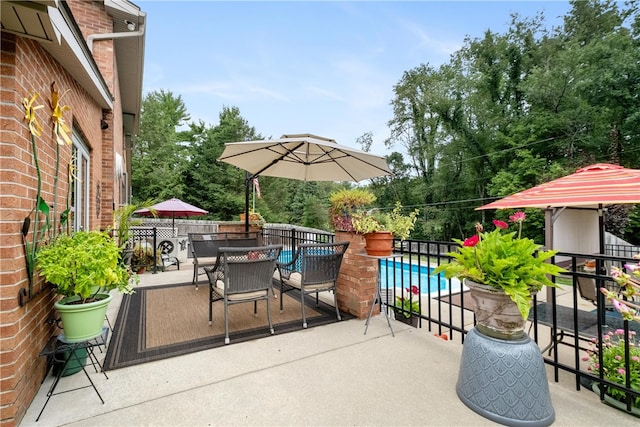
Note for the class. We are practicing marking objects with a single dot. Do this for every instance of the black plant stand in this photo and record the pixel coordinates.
(64, 352)
(505, 381)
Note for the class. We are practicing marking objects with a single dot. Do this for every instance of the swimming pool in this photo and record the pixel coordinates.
(403, 275)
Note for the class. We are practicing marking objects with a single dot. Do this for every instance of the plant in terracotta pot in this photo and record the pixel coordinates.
(84, 267)
(376, 225)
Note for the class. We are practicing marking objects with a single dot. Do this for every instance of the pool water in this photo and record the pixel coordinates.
(402, 275)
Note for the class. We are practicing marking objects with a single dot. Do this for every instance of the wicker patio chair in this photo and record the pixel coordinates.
(242, 274)
(205, 247)
(313, 269)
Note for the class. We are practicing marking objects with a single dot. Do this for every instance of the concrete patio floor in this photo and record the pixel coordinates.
(331, 375)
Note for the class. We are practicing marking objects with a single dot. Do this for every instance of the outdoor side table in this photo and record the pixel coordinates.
(64, 352)
(377, 298)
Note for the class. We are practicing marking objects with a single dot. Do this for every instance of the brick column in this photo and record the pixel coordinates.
(358, 277)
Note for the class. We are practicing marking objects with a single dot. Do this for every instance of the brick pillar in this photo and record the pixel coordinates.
(358, 277)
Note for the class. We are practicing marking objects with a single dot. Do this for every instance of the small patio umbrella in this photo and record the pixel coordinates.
(304, 157)
(172, 208)
(591, 187)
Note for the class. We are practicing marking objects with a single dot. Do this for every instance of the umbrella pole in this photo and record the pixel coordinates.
(247, 181)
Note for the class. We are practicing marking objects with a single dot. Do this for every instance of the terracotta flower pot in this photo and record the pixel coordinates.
(379, 243)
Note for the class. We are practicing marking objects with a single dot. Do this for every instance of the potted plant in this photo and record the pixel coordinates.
(380, 228)
(123, 219)
(345, 203)
(613, 368)
(501, 263)
(408, 302)
(142, 256)
(254, 218)
(84, 267)
(503, 272)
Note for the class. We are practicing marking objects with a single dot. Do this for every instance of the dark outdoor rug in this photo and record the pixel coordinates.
(165, 321)
(458, 298)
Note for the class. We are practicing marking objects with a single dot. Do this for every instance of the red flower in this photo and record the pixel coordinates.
(471, 241)
(500, 224)
(414, 290)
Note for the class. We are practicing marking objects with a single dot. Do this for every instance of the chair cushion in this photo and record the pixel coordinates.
(239, 297)
(205, 261)
(295, 280)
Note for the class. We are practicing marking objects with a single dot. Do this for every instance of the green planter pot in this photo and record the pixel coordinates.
(77, 361)
(615, 403)
(82, 322)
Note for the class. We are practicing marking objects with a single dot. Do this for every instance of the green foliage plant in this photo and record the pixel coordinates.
(123, 218)
(503, 261)
(395, 222)
(77, 264)
(613, 366)
(409, 301)
(344, 204)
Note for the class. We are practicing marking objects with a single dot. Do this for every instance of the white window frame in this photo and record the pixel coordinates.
(81, 172)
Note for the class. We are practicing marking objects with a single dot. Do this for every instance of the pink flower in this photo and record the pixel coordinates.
(517, 217)
(500, 224)
(621, 371)
(471, 241)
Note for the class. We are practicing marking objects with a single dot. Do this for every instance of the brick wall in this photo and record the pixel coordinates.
(26, 68)
(358, 277)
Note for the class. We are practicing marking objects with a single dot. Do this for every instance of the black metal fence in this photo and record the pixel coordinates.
(290, 237)
(566, 322)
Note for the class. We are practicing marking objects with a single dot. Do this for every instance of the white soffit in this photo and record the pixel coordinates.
(43, 21)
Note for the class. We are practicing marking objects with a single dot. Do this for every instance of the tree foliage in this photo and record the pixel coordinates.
(507, 112)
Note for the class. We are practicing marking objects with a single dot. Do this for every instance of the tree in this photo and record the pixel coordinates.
(218, 186)
(157, 157)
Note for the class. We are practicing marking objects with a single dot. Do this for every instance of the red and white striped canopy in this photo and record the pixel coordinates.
(598, 184)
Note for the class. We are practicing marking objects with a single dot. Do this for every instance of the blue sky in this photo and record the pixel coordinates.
(325, 67)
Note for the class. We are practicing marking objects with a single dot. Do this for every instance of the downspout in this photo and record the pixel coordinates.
(109, 36)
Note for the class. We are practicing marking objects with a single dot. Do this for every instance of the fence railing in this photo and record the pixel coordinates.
(290, 237)
(564, 322)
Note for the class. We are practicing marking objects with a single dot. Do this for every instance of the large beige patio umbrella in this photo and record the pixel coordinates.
(304, 157)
